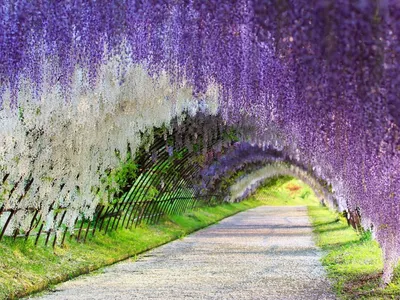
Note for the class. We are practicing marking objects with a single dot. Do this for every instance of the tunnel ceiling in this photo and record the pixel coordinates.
(316, 81)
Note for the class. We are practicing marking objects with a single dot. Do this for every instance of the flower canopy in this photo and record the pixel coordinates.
(316, 80)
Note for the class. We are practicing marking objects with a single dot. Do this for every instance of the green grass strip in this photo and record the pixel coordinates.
(26, 269)
(352, 260)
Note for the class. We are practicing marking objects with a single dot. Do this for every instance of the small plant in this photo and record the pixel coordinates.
(305, 195)
(120, 179)
(366, 236)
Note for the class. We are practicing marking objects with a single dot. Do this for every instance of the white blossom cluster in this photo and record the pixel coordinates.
(65, 145)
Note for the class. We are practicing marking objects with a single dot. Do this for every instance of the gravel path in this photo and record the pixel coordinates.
(263, 253)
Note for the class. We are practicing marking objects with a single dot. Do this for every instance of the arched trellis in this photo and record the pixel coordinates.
(166, 183)
(183, 167)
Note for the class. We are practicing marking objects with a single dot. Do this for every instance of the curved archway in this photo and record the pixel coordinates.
(316, 81)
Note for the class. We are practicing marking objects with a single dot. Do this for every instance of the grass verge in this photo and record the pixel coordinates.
(26, 269)
(353, 261)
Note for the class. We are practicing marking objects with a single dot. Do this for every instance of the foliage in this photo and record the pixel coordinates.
(119, 180)
(278, 191)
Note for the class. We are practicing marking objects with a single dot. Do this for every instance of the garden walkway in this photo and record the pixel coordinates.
(263, 253)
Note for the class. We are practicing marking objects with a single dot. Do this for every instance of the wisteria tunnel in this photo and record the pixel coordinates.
(115, 113)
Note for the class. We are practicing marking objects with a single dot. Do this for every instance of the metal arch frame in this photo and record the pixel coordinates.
(176, 196)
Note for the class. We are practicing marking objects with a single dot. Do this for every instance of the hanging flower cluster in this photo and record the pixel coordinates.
(317, 80)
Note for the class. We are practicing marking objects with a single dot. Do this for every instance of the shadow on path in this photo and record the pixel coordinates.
(263, 253)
